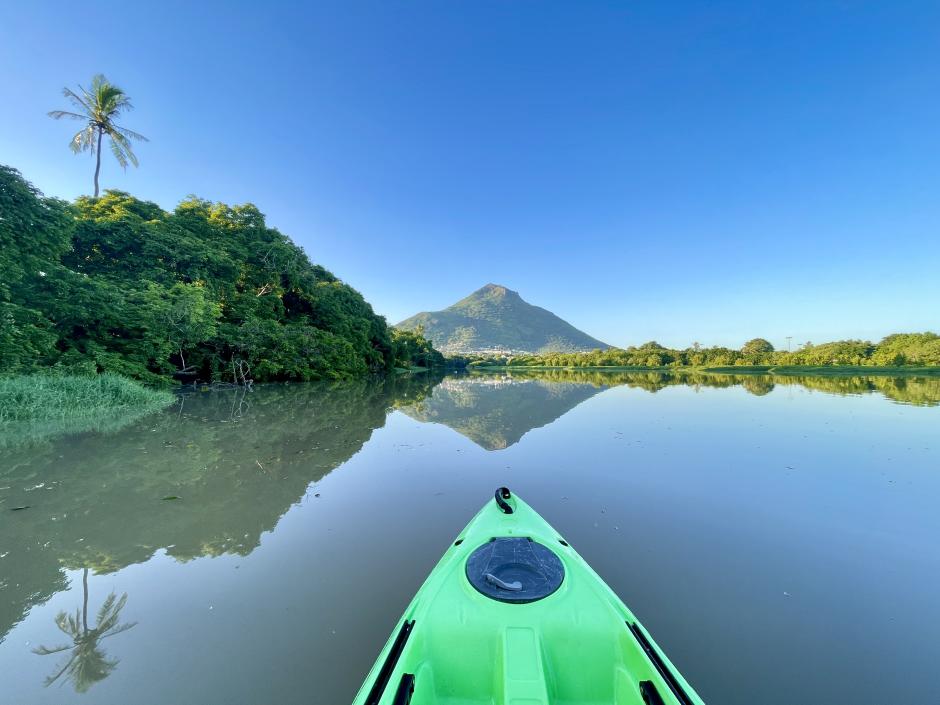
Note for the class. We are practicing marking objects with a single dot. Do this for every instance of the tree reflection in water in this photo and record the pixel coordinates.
(87, 663)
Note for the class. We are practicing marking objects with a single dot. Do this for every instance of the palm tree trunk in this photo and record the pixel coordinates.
(98, 164)
(85, 573)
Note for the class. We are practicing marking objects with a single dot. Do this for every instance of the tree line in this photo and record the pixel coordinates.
(900, 349)
(207, 291)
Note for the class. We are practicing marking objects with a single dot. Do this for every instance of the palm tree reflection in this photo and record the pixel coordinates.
(88, 663)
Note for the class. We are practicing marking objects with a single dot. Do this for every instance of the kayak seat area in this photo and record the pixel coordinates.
(550, 652)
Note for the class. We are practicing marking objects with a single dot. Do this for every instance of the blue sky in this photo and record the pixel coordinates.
(706, 171)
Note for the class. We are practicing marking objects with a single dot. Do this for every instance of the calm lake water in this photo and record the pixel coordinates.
(780, 538)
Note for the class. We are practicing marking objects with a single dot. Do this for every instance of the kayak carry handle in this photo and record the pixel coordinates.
(515, 585)
(406, 688)
(502, 494)
(650, 695)
(657, 660)
(385, 673)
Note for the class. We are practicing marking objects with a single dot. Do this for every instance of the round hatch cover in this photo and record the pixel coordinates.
(511, 569)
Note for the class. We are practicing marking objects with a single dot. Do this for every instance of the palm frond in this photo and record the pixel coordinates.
(79, 101)
(119, 154)
(59, 114)
(68, 624)
(118, 101)
(98, 83)
(125, 148)
(114, 631)
(130, 133)
(45, 650)
(83, 140)
(106, 608)
(53, 678)
(109, 98)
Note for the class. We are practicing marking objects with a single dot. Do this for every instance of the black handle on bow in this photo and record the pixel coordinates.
(502, 494)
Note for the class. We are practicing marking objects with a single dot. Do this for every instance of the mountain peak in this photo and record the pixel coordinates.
(495, 318)
(495, 290)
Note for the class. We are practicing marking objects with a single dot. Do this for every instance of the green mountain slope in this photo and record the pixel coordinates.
(496, 318)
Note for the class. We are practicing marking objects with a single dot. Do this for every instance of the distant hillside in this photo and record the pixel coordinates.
(495, 318)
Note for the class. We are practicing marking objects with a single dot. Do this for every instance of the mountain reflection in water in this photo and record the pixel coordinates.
(495, 412)
(496, 409)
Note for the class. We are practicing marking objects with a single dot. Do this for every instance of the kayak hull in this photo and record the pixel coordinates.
(577, 645)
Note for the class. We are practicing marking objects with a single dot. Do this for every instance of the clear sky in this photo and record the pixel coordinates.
(706, 171)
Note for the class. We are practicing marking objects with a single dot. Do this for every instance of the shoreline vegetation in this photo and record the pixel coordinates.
(207, 292)
(29, 397)
(102, 296)
(781, 370)
(39, 406)
(914, 389)
(896, 354)
(831, 371)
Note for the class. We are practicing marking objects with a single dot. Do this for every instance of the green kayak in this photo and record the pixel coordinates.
(512, 615)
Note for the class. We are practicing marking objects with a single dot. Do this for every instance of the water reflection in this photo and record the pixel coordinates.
(496, 409)
(920, 391)
(88, 663)
(748, 514)
(234, 462)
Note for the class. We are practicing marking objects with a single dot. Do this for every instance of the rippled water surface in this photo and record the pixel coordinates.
(778, 537)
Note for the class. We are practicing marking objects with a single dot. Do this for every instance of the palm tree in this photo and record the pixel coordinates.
(98, 108)
(88, 663)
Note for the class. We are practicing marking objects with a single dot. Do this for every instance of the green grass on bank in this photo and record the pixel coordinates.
(47, 397)
(34, 408)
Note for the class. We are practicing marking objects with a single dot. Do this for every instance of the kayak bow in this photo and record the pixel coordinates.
(512, 615)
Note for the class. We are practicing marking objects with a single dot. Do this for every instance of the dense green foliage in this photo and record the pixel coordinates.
(115, 284)
(413, 349)
(920, 349)
(496, 318)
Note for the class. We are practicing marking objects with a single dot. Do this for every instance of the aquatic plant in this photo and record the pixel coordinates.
(36, 407)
